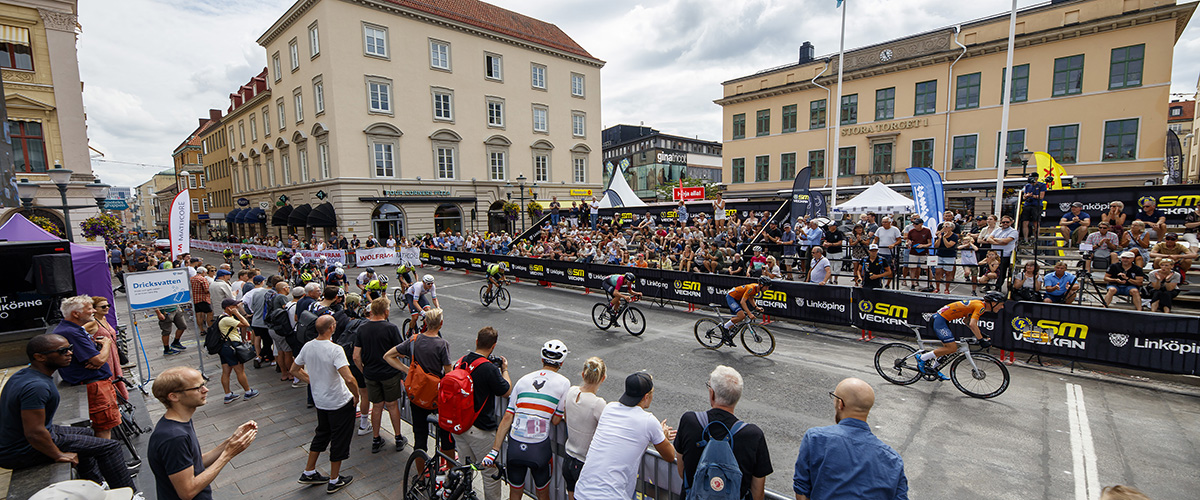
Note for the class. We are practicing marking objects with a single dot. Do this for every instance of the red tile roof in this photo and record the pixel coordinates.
(492, 18)
(1189, 111)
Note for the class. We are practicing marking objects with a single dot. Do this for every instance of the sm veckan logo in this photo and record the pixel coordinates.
(476, 260)
(1050, 332)
(424, 255)
(1172, 201)
(881, 309)
(575, 272)
(449, 259)
(536, 268)
(774, 295)
(688, 288)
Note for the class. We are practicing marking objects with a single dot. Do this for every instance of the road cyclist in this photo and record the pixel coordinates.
(228, 254)
(617, 308)
(496, 281)
(613, 284)
(416, 301)
(246, 258)
(939, 326)
(283, 260)
(364, 278)
(740, 300)
(406, 274)
(377, 287)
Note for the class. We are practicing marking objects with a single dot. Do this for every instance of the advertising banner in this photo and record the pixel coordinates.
(634, 215)
(816, 205)
(410, 255)
(688, 193)
(1174, 159)
(927, 194)
(380, 256)
(800, 198)
(1176, 201)
(890, 311)
(177, 220)
(330, 255)
(151, 289)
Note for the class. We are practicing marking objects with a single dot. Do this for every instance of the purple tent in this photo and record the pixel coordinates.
(93, 276)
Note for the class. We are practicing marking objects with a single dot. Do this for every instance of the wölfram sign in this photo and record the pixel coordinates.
(160, 288)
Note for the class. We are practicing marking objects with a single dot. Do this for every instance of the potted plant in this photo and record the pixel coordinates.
(511, 211)
(48, 225)
(101, 225)
(535, 210)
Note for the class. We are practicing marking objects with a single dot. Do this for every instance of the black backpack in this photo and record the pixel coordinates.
(277, 319)
(213, 338)
(306, 323)
(350, 336)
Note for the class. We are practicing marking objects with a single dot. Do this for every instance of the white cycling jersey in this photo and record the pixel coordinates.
(418, 289)
(363, 279)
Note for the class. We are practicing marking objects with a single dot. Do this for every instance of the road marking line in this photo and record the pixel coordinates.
(1083, 451)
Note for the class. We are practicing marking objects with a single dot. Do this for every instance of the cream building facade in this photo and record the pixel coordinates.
(1090, 77)
(401, 118)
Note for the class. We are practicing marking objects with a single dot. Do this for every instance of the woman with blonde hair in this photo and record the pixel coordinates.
(1137, 240)
(103, 329)
(582, 414)
(1115, 216)
(989, 271)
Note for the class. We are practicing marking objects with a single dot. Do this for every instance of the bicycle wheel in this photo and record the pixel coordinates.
(635, 321)
(502, 299)
(708, 333)
(896, 364)
(600, 316)
(483, 298)
(398, 295)
(988, 379)
(404, 329)
(758, 340)
(416, 486)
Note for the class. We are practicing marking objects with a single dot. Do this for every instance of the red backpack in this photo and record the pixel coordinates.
(456, 397)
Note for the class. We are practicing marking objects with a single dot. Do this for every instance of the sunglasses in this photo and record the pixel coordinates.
(105, 306)
(201, 386)
(60, 351)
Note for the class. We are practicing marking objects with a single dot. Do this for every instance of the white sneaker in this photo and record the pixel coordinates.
(364, 426)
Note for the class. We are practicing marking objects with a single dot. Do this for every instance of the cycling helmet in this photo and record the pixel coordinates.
(383, 279)
(428, 279)
(340, 272)
(370, 270)
(554, 352)
(764, 281)
(279, 253)
(503, 266)
(993, 297)
(630, 277)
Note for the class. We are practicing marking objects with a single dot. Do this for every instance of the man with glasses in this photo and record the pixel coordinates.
(27, 406)
(1003, 241)
(1155, 219)
(181, 469)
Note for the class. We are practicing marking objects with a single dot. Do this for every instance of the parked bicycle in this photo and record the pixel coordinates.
(975, 373)
(630, 316)
(432, 482)
(756, 338)
(499, 295)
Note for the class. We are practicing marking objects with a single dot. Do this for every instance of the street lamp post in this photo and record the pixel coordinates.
(1025, 155)
(521, 185)
(61, 178)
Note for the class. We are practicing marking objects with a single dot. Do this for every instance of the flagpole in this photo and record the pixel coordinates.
(837, 106)
(1006, 101)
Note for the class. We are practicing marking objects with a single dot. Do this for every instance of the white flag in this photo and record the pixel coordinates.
(178, 225)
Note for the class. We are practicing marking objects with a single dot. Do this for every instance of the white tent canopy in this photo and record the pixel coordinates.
(877, 198)
(619, 194)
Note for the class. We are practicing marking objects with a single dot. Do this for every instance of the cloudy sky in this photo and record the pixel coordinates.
(151, 68)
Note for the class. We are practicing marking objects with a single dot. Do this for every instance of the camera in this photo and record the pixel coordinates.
(496, 361)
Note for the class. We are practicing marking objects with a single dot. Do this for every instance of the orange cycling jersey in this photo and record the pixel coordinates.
(741, 291)
(962, 309)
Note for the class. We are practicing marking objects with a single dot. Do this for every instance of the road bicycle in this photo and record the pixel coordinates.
(631, 317)
(433, 482)
(756, 338)
(413, 331)
(975, 373)
(499, 295)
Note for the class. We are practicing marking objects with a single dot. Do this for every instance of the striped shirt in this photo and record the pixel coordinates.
(537, 397)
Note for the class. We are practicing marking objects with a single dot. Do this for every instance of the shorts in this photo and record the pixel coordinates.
(1122, 289)
(946, 263)
(1057, 299)
(941, 328)
(173, 318)
(379, 391)
(102, 405)
(281, 343)
(229, 355)
(1030, 213)
(203, 307)
(607, 287)
(359, 379)
(408, 301)
(734, 306)
(570, 471)
(529, 457)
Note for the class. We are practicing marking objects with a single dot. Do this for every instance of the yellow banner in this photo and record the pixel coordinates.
(581, 192)
(1049, 171)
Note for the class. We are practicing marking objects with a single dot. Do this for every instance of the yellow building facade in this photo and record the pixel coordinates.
(1090, 78)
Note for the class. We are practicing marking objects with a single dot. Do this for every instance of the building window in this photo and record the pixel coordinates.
(1120, 139)
(847, 157)
(285, 166)
(302, 159)
(275, 68)
(885, 104)
(232, 145)
(253, 129)
(1020, 91)
(493, 66)
(881, 161)
(1125, 68)
(816, 160)
(16, 56)
(191, 182)
(787, 166)
(497, 164)
(762, 122)
(537, 77)
(762, 168)
(195, 205)
(1014, 146)
(966, 94)
(443, 105)
(237, 185)
(282, 114)
(323, 160)
(242, 132)
(926, 98)
(200, 180)
(385, 159)
(1176, 110)
(739, 126)
(375, 40)
(266, 114)
(576, 84)
(578, 121)
(258, 183)
(1068, 75)
(541, 167)
(495, 112)
(439, 54)
(379, 96)
(850, 109)
(319, 96)
(739, 170)
(298, 99)
(445, 162)
(816, 114)
(294, 54)
(204, 205)
(789, 119)
(541, 118)
(579, 170)
(1063, 142)
(29, 147)
(922, 153)
(964, 152)
(314, 41)
(270, 172)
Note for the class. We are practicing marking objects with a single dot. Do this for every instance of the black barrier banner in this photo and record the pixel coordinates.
(1176, 201)
(809, 302)
(1142, 340)
(627, 215)
(880, 310)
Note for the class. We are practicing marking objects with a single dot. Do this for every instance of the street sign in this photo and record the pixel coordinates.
(688, 193)
(151, 289)
(283, 198)
(581, 192)
(116, 204)
(321, 195)
(264, 205)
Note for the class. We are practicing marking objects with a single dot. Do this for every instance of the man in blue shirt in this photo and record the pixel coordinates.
(1059, 287)
(89, 365)
(846, 460)
(1074, 224)
(1031, 204)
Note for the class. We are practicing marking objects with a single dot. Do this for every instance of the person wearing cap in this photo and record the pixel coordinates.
(1125, 278)
(1155, 219)
(833, 242)
(1074, 224)
(27, 406)
(874, 268)
(1031, 205)
(490, 380)
(1171, 248)
(749, 444)
(538, 403)
(624, 431)
(231, 325)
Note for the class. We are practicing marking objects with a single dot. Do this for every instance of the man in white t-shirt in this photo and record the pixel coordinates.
(624, 431)
(323, 365)
(819, 270)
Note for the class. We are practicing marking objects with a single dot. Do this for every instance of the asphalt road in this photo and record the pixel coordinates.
(1051, 435)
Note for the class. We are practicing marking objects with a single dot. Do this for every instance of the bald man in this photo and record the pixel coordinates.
(324, 366)
(846, 460)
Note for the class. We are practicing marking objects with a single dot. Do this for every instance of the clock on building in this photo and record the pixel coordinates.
(886, 55)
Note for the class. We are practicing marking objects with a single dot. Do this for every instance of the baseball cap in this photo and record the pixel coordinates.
(1077, 204)
(223, 272)
(228, 302)
(1127, 255)
(297, 291)
(637, 386)
(873, 247)
(1171, 236)
(80, 489)
(259, 279)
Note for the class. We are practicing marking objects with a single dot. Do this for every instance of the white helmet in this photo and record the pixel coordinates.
(428, 279)
(341, 272)
(554, 352)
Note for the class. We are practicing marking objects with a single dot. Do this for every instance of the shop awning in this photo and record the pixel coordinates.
(280, 217)
(299, 216)
(322, 216)
(232, 216)
(254, 216)
(14, 35)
